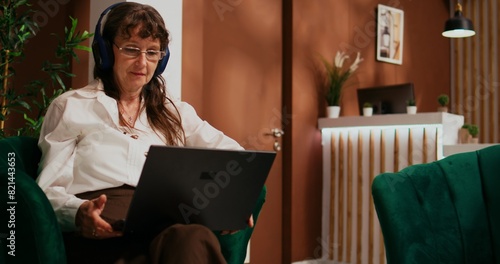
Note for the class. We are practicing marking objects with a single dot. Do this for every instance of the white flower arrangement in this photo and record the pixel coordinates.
(337, 76)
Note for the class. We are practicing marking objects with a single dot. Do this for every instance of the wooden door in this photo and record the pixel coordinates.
(232, 75)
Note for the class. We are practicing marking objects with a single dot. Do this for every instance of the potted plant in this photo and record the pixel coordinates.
(367, 109)
(33, 99)
(443, 101)
(411, 107)
(336, 76)
(474, 132)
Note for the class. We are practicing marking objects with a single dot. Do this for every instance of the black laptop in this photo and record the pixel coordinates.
(213, 187)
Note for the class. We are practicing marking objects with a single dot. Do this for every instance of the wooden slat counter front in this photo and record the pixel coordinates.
(355, 150)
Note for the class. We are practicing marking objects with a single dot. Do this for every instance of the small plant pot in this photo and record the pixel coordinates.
(411, 110)
(367, 111)
(474, 140)
(463, 136)
(332, 111)
(443, 109)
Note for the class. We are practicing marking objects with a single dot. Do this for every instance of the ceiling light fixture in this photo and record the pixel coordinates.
(458, 26)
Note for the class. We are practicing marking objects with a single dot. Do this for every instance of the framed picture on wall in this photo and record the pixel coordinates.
(390, 25)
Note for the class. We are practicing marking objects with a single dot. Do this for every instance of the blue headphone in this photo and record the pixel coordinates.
(103, 51)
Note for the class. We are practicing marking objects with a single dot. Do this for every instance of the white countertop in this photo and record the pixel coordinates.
(450, 123)
(433, 118)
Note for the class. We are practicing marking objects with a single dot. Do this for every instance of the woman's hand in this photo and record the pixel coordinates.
(230, 232)
(89, 222)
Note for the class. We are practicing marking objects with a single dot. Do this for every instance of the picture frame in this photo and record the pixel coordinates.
(390, 32)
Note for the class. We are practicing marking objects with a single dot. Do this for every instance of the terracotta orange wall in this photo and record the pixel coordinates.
(324, 27)
(232, 76)
(81, 11)
(314, 27)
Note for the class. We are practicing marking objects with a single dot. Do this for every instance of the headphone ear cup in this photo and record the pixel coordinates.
(96, 53)
(103, 53)
(162, 64)
(107, 57)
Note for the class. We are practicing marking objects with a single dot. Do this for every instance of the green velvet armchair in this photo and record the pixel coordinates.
(29, 232)
(447, 211)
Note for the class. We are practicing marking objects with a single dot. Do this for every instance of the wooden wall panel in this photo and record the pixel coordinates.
(475, 72)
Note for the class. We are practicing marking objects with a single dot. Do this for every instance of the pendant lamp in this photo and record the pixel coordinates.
(458, 26)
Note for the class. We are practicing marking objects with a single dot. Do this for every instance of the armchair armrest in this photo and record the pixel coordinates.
(234, 247)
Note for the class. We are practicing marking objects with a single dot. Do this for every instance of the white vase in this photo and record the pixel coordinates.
(411, 109)
(332, 111)
(367, 111)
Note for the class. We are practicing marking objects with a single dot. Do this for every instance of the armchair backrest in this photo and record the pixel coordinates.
(442, 212)
(29, 232)
(27, 154)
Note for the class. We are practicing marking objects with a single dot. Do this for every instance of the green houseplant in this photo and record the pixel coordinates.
(443, 101)
(33, 100)
(15, 30)
(336, 76)
(474, 132)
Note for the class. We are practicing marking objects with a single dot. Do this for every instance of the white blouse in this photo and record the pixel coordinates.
(84, 147)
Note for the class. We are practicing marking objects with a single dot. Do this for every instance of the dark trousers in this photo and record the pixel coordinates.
(176, 244)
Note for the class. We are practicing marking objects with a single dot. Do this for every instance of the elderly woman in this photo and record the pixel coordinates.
(93, 142)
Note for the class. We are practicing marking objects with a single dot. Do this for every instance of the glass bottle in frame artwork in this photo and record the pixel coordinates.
(390, 23)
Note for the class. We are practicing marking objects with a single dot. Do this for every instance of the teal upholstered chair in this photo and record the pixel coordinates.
(446, 211)
(38, 238)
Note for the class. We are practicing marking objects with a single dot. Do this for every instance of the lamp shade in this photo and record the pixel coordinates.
(458, 26)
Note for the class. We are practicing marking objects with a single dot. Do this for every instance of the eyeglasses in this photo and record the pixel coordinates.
(133, 52)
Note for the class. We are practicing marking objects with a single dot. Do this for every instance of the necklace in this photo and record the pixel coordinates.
(128, 118)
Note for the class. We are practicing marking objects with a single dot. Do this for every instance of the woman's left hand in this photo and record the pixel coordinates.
(89, 222)
(230, 232)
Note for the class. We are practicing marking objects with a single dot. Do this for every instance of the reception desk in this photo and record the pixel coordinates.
(355, 150)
